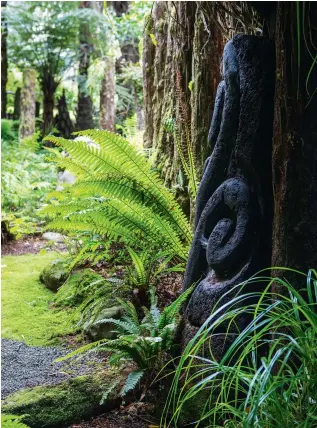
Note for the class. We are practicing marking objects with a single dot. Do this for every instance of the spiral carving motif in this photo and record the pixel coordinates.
(228, 227)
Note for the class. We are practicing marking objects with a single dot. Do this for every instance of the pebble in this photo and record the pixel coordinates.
(26, 366)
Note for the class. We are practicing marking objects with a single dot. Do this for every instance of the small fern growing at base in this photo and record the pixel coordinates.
(143, 342)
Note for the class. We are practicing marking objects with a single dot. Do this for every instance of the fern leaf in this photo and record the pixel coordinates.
(169, 313)
(118, 172)
(139, 266)
(124, 326)
(129, 310)
(132, 380)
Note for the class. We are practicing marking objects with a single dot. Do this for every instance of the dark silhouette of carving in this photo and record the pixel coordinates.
(234, 208)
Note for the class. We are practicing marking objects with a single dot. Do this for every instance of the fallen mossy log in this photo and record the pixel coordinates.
(57, 406)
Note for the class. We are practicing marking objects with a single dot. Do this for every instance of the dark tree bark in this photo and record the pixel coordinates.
(295, 140)
(84, 109)
(4, 62)
(37, 109)
(148, 85)
(107, 96)
(119, 7)
(17, 104)
(107, 91)
(49, 87)
(62, 121)
(27, 122)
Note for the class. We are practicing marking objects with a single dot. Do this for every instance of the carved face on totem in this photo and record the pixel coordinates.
(233, 218)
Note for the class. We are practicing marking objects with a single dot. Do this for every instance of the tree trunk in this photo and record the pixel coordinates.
(27, 123)
(4, 62)
(148, 85)
(107, 96)
(17, 104)
(119, 7)
(180, 40)
(294, 140)
(84, 110)
(49, 87)
(62, 121)
(37, 109)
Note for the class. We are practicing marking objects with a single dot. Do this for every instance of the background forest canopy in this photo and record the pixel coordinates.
(66, 66)
(86, 56)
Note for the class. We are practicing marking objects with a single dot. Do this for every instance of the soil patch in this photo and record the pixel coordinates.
(136, 415)
(28, 245)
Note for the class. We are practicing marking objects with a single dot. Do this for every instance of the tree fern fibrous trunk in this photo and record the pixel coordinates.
(17, 104)
(63, 121)
(107, 96)
(180, 38)
(84, 108)
(4, 61)
(49, 87)
(37, 109)
(148, 84)
(27, 122)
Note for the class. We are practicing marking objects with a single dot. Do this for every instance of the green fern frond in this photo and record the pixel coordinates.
(169, 313)
(132, 192)
(129, 310)
(124, 327)
(132, 380)
(139, 267)
(113, 386)
(86, 348)
(12, 421)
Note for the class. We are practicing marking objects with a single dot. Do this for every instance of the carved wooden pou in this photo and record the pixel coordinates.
(234, 208)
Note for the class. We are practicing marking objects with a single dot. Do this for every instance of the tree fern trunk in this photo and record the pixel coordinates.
(107, 96)
(27, 123)
(148, 84)
(37, 109)
(180, 38)
(63, 121)
(49, 87)
(84, 109)
(17, 104)
(4, 62)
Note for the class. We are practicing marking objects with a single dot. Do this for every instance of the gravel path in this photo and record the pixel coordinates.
(26, 366)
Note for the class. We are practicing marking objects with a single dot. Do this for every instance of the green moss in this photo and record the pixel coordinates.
(79, 286)
(66, 403)
(55, 274)
(26, 313)
(85, 284)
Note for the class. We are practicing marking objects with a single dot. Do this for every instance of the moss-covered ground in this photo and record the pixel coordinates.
(26, 311)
